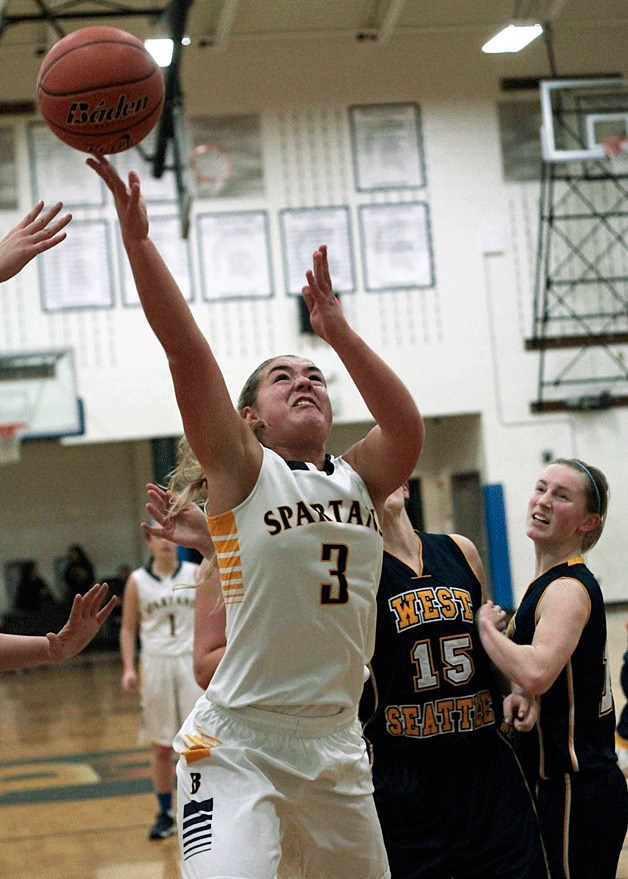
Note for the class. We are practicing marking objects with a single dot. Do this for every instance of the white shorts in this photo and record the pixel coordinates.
(168, 693)
(248, 779)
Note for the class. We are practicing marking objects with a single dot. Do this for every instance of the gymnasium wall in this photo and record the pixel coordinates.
(458, 344)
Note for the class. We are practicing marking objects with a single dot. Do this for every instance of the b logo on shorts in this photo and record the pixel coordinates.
(196, 833)
(196, 781)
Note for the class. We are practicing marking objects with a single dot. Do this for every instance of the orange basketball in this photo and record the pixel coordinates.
(99, 90)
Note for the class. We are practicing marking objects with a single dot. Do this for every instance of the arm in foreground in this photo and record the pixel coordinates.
(86, 618)
(33, 235)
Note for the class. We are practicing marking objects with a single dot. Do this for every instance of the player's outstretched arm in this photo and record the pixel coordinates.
(38, 231)
(387, 456)
(220, 439)
(86, 618)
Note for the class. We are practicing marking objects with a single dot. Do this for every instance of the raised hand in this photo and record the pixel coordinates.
(326, 315)
(34, 234)
(86, 618)
(127, 199)
(187, 527)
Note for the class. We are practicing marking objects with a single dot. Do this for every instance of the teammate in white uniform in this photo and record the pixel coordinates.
(157, 601)
(300, 555)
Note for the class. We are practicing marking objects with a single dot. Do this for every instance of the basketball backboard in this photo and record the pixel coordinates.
(578, 114)
(38, 388)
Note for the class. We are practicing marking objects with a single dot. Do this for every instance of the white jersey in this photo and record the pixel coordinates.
(300, 561)
(166, 614)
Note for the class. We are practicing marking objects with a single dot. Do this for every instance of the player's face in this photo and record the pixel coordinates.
(292, 397)
(557, 511)
(161, 548)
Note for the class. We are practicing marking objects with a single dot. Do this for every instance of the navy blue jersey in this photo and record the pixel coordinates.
(576, 726)
(431, 676)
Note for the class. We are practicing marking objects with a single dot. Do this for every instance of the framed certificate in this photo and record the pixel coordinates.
(8, 173)
(396, 246)
(234, 255)
(387, 146)
(303, 231)
(77, 273)
(164, 231)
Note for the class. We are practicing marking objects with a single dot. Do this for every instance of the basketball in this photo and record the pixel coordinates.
(99, 90)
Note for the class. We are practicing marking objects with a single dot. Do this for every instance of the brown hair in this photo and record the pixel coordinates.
(596, 492)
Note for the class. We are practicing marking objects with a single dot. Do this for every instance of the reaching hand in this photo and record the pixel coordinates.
(326, 315)
(86, 618)
(188, 527)
(127, 199)
(31, 237)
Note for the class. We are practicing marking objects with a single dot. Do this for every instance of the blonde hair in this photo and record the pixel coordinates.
(187, 484)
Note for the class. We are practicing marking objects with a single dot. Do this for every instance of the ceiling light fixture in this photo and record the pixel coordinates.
(513, 37)
(161, 48)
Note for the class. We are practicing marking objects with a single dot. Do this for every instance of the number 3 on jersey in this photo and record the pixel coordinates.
(337, 592)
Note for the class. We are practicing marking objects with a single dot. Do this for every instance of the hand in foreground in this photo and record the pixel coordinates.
(31, 237)
(86, 618)
(491, 615)
(127, 199)
(521, 710)
(326, 314)
(187, 528)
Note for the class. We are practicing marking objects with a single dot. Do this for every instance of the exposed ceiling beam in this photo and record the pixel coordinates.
(554, 10)
(390, 20)
(225, 22)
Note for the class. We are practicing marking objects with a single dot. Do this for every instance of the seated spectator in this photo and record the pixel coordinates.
(78, 575)
(32, 589)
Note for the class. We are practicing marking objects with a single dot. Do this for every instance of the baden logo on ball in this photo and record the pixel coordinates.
(99, 90)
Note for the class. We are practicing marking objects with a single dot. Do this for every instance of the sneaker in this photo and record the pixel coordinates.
(163, 827)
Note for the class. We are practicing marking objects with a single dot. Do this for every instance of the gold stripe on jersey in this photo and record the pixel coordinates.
(566, 825)
(198, 747)
(224, 532)
(572, 718)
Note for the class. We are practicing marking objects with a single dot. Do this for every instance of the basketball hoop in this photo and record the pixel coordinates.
(212, 165)
(10, 441)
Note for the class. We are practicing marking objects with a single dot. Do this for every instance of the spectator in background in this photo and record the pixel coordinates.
(117, 582)
(32, 589)
(78, 574)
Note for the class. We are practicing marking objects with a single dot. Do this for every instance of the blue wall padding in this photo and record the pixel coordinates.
(497, 534)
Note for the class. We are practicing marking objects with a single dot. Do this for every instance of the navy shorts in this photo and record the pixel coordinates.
(584, 818)
(459, 813)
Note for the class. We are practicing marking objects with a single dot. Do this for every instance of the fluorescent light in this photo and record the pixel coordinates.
(161, 50)
(513, 38)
